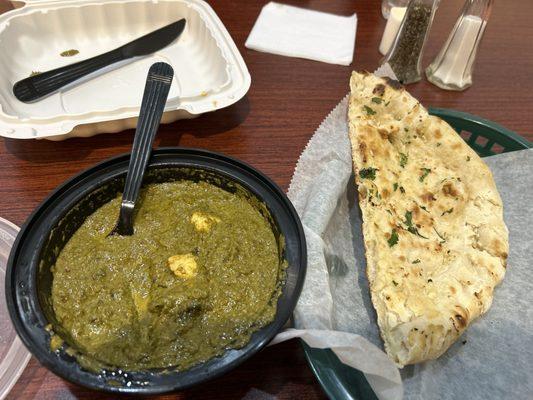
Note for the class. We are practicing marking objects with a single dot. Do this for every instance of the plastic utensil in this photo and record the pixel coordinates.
(42, 84)
(153, 102)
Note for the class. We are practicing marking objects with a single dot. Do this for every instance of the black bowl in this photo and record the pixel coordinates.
(28, 276)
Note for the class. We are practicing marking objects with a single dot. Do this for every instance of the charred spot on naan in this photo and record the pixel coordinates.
(384, 134)
(450, 189)
(379, 90)
(460, 318)
(393, 84)
(428, 197)
(421, 218)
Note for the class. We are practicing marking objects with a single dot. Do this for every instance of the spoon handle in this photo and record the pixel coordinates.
(152, 106)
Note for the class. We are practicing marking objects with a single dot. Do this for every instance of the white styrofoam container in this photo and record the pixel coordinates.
(209, 72)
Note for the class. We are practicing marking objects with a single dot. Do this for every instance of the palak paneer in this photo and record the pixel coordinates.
(201, 273)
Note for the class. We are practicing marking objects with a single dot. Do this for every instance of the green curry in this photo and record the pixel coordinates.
(201, 273)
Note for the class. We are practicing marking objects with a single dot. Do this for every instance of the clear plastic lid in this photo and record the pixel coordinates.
(13, 355)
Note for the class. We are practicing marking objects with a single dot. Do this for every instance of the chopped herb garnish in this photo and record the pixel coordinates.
(423, 208)
(368, 173)
(402, 189)
(368, 110)
(439, 144)
(416, 261)
(387, 103)
(415, 231)
(447, 212)
(425, 172)
(395, 186)
(393, 238)
(467, 158)
(377, 100)
(406, 129)
(439, 235)
(430, 280)
(409, 218)
(403, 160)
(409, 224)
(395, 283)
(389, 211)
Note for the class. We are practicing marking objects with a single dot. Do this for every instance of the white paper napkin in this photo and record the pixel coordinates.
(297, 32)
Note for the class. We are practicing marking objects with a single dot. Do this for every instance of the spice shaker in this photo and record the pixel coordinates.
(405, 55)
(453, 66)
(391, 29)
(388, 5)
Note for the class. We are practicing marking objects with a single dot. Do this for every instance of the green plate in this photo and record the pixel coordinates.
(487, 138)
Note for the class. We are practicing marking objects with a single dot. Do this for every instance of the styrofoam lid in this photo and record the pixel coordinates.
(13, 355)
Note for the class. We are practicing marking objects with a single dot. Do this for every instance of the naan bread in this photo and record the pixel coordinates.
(436, 244)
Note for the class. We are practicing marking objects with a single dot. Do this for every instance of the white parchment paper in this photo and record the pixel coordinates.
(492, 360)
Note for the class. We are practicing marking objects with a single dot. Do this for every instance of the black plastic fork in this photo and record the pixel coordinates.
(152, 106)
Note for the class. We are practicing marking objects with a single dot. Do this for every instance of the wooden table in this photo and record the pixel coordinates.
(269, 128)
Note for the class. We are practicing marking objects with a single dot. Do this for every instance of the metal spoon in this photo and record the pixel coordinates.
(152, 106)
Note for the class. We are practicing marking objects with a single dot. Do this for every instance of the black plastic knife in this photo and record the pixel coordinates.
(43, 84)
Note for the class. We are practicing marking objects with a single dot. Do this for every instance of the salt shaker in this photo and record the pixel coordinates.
(387, 5)
(391, 29)
(452, 68)
(405, 55)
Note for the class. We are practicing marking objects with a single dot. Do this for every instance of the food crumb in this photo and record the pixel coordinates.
(55, 343)
(140, 302)
(69, 53)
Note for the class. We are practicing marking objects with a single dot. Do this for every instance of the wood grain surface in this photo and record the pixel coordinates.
(269, 128)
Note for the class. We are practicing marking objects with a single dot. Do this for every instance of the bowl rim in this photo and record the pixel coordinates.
(251, 348)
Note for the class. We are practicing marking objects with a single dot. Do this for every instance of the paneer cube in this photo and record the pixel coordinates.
(203, 222)
(183, 265)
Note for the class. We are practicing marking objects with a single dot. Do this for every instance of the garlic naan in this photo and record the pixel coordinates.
(436, 243)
